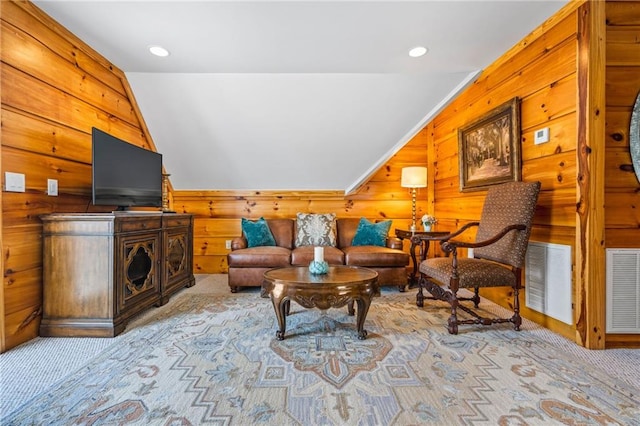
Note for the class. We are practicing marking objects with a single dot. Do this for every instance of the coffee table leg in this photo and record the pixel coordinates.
(363, 308)
(281, 308)
(350, 309)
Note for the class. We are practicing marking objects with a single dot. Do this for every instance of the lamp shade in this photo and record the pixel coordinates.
(414, 177)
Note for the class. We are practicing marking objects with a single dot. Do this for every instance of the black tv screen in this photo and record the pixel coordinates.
(124, 175)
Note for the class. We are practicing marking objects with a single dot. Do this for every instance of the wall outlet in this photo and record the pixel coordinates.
(227, 244)
(470, 253)
(52, 187)
(541, 136)
(14, 182)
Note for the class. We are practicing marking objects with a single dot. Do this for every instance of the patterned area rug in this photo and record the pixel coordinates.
(213, 359)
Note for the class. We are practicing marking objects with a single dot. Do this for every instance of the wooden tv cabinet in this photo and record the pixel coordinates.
(101, 269)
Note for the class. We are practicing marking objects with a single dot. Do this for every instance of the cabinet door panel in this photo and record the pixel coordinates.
(178, 258)
(139, 271)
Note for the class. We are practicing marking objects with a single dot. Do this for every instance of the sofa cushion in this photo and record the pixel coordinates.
(347, 227)
(257, 233)
(371, 234)
(315, 229)
(373, 256)
(259, 257)
(283, 231)
(302, 256)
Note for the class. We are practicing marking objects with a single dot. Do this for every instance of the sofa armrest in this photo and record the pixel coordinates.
(394, 243)
(239, 243)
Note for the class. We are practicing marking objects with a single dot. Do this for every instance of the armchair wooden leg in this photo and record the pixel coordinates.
(420, 294)
(516, 319)
(476, 297)
(452, 298)
(452, 323)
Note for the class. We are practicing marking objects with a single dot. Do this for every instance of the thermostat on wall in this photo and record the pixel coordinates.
(541, 136)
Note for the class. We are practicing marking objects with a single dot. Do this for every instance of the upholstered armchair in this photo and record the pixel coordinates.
(498, 255)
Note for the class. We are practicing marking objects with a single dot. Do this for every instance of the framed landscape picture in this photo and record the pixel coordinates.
(489, 148)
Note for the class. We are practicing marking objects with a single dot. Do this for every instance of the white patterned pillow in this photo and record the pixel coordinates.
(315, 229)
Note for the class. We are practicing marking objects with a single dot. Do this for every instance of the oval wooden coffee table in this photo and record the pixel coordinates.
(342, 285)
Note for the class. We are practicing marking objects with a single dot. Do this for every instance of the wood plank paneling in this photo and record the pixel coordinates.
(37, 60)
(555, 172)
(622, 189)
(622, 238)
(623, 13)
(589, 274)
(25, 16)
(622, 84)
(73, 177)
(618, 124)
(622, 197)
(20, 209)
(552, 102)
(23, 290)
(54, 89)
(289, 208)
(38, 98)
(37, 135)
(619, 170)
(623, 210)
(542, 73)
(562, 139)
(22, 246)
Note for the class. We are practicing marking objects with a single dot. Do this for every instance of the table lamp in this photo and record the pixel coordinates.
(413, 177)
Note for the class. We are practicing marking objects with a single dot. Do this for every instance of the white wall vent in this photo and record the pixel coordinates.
(623, 291)
(548, 280)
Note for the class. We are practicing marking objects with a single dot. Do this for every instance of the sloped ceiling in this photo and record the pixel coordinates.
(293, 95)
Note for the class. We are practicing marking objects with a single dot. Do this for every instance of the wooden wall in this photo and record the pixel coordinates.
(622, 87)
(54, 89)
(542, 71)
(589, 191)
(622, 189)
(218, 213)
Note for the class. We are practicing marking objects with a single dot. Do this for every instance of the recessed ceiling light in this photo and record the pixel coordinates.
(158, 51)
(417, 51)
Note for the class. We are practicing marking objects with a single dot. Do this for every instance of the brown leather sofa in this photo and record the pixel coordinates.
(247, 265)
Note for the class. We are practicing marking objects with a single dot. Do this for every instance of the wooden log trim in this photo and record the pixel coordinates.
(590, 276)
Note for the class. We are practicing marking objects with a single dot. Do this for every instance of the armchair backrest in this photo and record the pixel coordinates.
(507, 204)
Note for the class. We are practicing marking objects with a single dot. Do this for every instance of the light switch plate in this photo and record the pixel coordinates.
(14, 182)
(52, 187)
(541, 136)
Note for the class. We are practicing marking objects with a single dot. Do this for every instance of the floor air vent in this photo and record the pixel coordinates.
(623, 291)
(548, 280)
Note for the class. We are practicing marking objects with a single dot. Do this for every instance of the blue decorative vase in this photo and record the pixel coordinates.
(427, 227)
(318, 268)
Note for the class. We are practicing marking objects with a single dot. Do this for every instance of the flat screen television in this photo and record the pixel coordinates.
(124, 175)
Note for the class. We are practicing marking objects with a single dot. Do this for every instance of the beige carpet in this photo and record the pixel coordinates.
(209, 356)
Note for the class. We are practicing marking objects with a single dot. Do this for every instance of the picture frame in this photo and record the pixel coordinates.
(489, 148)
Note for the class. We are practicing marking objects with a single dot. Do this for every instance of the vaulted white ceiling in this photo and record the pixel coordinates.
(279, 95)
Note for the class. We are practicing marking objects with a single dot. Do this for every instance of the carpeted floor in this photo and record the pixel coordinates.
(210, 357)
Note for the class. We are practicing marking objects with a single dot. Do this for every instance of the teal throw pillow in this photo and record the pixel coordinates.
(371, 234)
(257, 233)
